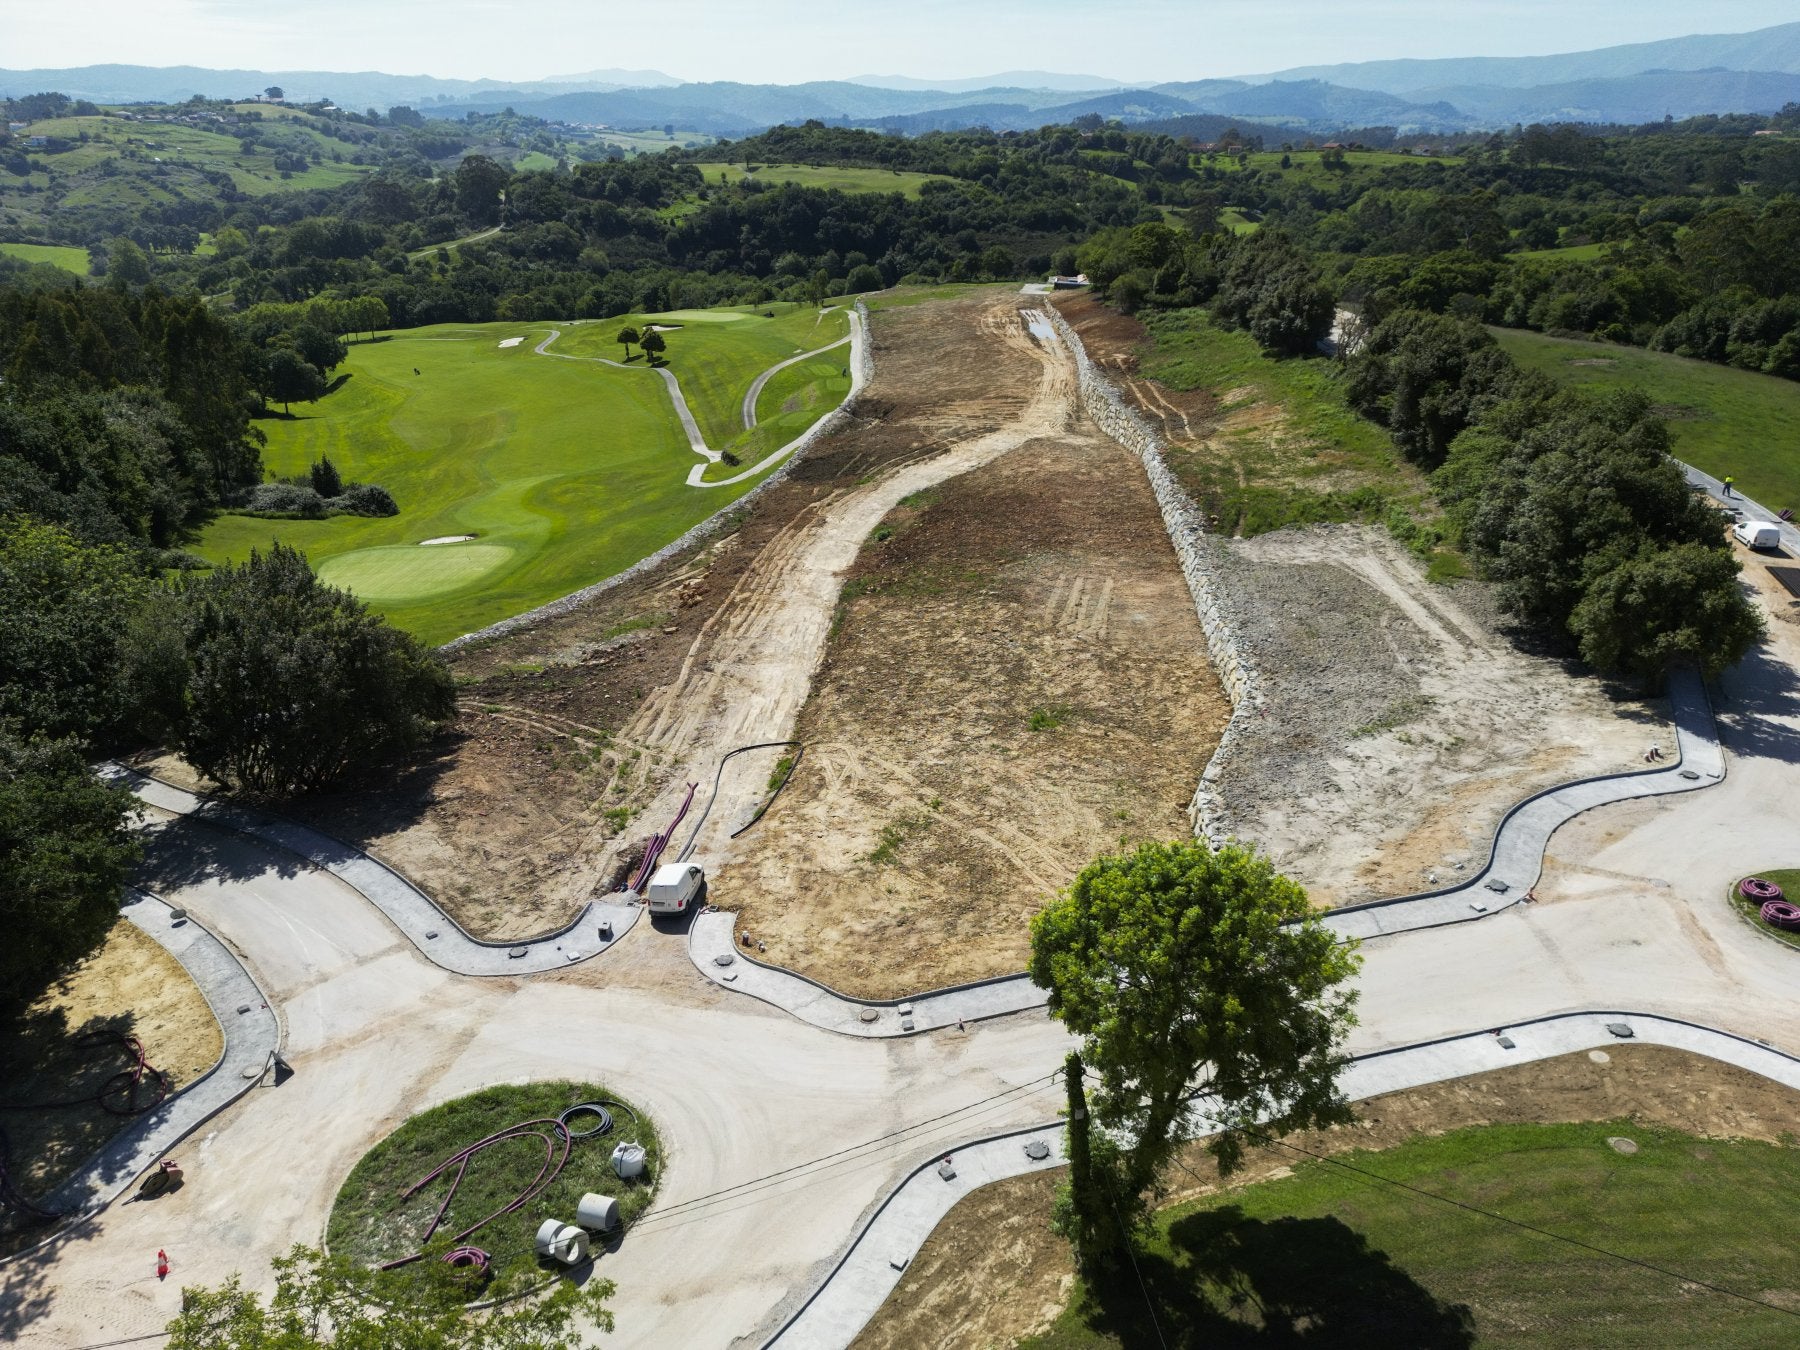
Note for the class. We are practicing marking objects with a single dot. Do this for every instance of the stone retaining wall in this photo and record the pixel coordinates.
(1198, 554)
(864, 360)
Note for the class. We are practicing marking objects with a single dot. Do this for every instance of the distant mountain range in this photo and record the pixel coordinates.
(1743, 72)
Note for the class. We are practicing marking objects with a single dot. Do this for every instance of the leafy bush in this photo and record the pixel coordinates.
(364, 499)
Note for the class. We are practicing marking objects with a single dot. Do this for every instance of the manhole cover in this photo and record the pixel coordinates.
(946, 1171)
(1498, 887)
(1505, 1042)
(1621, 1029)
(1037, 1150)
(906, 1024)
(723, 959)
(1600, 1057)
(1689, 774)
(253, 1072)
(868, 1014)
(1620, 1144)
(516, 952)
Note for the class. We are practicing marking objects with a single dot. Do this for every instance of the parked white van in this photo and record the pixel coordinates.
(1757, 534)
(675, 888)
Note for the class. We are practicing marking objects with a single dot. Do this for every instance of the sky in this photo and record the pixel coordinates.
(787, 41)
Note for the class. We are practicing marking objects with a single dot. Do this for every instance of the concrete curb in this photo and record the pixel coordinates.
(877, 1255)
(250, 1038)
(439, 937)
(711, 938)
(862, 371)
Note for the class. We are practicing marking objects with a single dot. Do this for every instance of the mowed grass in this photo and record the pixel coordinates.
(1358, 1261)
(69, 259)
(566, 471)
(1725, 421)
(371, 1223)
(842, 179)
(715, 353)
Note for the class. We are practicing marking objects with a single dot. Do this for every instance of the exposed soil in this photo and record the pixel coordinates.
(1402, 718)
(993, 1273)
(130, 985)
(561, 758)
(1018, 682)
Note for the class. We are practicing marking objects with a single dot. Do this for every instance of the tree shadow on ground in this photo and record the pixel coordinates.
(1760, 689)
(194, 850)
(381, 802)
(1231, 1280)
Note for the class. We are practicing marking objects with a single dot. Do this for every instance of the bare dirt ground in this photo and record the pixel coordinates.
(1403, 718)
(573, 734)
(130, 985)
(1017, 682)
(993, 1272)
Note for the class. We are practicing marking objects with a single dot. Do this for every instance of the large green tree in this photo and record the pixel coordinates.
(64, 609)
(1186, 970)
(65, 852)
(323, 1300)
(1665, 606)
(291, 684)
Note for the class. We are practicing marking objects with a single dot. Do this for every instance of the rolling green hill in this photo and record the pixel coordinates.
(1726, 421)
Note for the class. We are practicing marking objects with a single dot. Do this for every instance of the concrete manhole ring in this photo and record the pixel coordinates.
(1620, 1144)
(868, 1014)
(1600, 1057)
(723, 959)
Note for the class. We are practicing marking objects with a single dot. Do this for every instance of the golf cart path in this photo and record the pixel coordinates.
(251, 1037)
(696, 441)
(756, 386)
(1513, 868)
(876, 1257)
(597, 927)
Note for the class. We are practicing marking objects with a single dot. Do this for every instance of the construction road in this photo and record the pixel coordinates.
(1630, 915)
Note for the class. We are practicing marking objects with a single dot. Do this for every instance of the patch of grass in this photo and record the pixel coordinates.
(840, 179)
(1289, 450)
(923, 498)
(74, 260)
(1788, 878)
(618, 816)
(893, 838)
(1723, 420)
(1358, 1261)
(779, 775)
(568, 471)
(1050, 718)
(371, 1222)
(1570, 253)
(904, 297)
(1444, 567)
(1400, 713)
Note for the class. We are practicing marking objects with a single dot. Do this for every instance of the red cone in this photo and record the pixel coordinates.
(162, 1264)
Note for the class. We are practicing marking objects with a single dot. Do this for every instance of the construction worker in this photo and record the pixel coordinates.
(1727, 482)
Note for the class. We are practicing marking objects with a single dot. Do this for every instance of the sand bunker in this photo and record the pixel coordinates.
(448, 538)
(511, 342)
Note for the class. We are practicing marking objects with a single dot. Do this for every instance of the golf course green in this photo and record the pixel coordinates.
(565, 472)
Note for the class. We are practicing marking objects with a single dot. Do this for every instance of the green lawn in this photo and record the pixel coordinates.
(1329, 1257)
(1788, 878)
(69, 259)
(371, 1223)
(1300, 454)
(1572, 253)
(566, 471)
(1725, 421)
(844, 180)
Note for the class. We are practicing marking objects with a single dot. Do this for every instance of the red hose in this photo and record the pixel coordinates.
(551, 1169)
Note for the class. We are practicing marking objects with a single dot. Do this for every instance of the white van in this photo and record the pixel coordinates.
(1757, 534)
(675, 888)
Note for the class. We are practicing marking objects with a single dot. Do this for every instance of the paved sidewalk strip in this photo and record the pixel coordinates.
(876, 1258)
(415, 914)
(250, 1038)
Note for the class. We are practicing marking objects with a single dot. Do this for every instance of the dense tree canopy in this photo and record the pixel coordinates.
(65, 853)
(291, 685)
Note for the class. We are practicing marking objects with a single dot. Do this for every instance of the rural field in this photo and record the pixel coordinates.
(825, 176)
(564, 471)
(57, 255)
(1725, 421)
